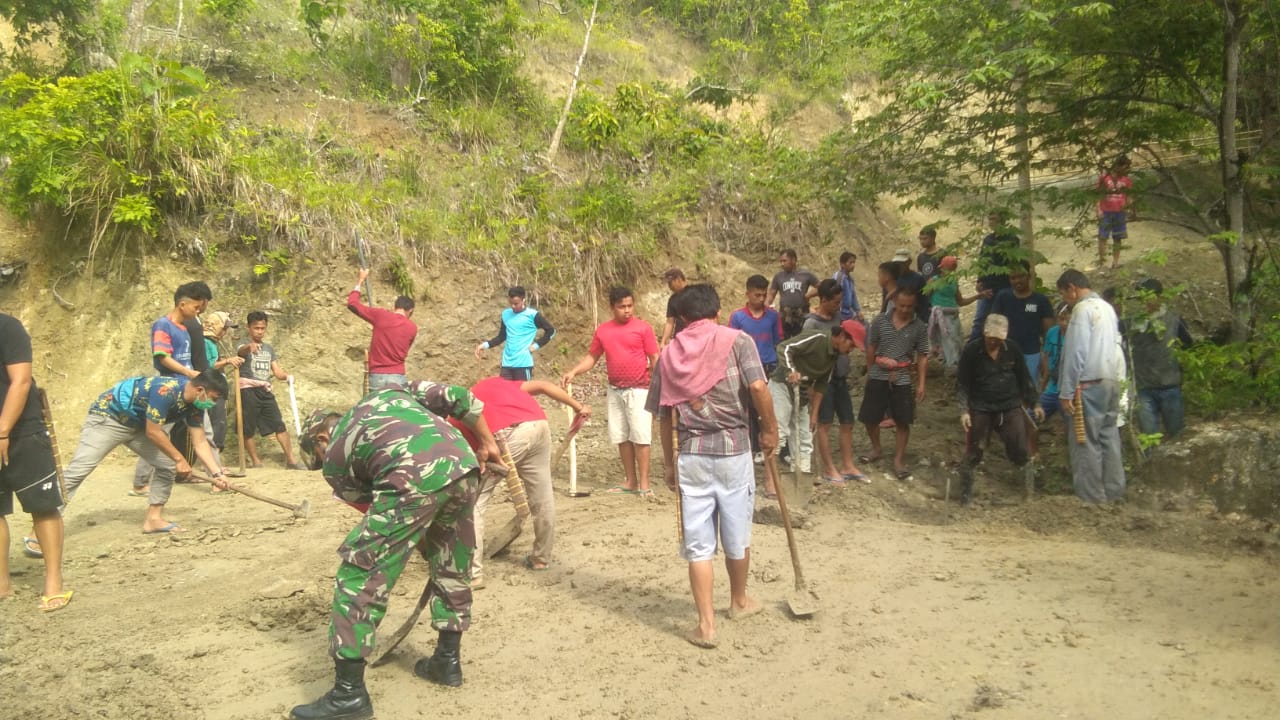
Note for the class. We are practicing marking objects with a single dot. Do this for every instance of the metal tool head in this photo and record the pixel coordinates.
(303, 510)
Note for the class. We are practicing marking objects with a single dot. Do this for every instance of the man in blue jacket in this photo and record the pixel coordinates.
(518, 328)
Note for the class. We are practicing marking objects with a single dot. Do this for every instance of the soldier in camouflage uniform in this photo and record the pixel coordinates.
(317, 429)
(395, 457)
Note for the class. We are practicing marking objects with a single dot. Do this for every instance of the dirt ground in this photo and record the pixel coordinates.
(1049, 609)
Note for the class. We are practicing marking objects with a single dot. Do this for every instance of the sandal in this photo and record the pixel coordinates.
(868, 459)
(860, 477)
(903, 473)
(53, 603)
(646, 493)
(530, 565)
(31, 548)
(620, 490)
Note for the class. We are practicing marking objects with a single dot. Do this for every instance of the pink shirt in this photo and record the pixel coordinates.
(393, 335)
(1117, 192)
(626, 347)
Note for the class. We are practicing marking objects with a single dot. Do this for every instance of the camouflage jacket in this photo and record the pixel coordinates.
(316, 431)
(397, 439)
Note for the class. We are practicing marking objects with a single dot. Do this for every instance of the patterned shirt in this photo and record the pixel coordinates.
(169, 339)
(158, 399)
(898, 344)
(397, 441)
(718, 426)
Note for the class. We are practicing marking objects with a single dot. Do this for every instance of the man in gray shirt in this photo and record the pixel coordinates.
(793, 288)
(1090, 374)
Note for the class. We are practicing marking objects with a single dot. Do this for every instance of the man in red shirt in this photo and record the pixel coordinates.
(515, 418)
(393, 335)
(1113, 209)
(631, 349)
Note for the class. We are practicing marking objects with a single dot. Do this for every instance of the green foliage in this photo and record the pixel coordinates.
(33, 18)
(400, 276)
(320, 17)
(229, 11)
(116, 148)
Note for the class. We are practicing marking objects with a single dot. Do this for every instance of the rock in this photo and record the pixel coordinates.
(771, 514)
(282, 588)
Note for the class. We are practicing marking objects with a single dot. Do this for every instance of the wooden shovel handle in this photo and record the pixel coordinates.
(786, 523)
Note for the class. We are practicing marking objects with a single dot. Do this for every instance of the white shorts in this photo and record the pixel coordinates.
(716, 491)
(628, 420)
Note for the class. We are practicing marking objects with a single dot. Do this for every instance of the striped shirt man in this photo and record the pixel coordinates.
(898, 344)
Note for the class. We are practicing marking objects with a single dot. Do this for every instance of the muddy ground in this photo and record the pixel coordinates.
(1046, 609)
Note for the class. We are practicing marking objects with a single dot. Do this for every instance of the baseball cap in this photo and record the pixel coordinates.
(948, 263)
(857, 331)
(214, 322)
(903, 255)
(996, 326)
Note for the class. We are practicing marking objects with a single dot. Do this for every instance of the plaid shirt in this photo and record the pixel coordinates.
(719, 425)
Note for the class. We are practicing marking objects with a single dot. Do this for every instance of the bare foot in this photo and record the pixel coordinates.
(704, 641)
(161, 527)
(746, 610)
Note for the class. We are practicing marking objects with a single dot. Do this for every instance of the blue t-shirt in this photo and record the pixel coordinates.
(1053, 350)
(1026, 317)
(521, 331)
(172, 340)
(134, 401)
(766, 331)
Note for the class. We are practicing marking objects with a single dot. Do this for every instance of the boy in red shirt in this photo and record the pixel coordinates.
(393, 335)
(631, 349)
(1113, 209)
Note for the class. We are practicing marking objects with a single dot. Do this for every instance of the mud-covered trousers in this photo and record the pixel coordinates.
(439, 524)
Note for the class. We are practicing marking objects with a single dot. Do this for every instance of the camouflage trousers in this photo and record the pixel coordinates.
(440, 525)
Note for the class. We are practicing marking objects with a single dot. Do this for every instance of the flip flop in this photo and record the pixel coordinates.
(62, 600)
(851, 477)
(528, 564)
(903, 474)
(620, 490)
(834, 480)
(648, 492)
(31, 548)
(770, 495)
(870, 458)
(166, 530)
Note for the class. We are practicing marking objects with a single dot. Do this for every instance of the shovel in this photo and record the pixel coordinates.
(802, 602)
(515, 488)
(293, 405)
(301, 510)
(572, 446)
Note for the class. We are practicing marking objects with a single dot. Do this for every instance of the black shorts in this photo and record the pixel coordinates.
(836, 403)
(32, 475)
(524, 374)
(881, 397)
(261, 412)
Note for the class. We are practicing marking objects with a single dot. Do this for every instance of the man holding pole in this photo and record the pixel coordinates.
(28, 468)
(393, 334)
(703, 376)
(395, 457)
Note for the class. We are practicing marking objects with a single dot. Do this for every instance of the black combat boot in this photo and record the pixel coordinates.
(966, 484)
(445, 666)
(348, 700)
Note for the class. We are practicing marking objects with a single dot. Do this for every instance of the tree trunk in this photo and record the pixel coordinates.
(1022, 149)
(1235, 251)
(134, 23)
(573, 89)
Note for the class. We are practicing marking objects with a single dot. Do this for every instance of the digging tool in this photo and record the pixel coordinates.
(301, 510)
(368, 300)
(53, 439)
(293, 405)
(675, 443)
(571, 443)
(515, 489)
(235, 382)
(403, 631)
(802, 602)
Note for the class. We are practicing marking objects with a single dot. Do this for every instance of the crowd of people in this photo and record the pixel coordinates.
(780, 372)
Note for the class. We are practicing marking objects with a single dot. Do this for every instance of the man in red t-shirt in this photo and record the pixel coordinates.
(631, 349)
(1113, 210)
(515, 418)
(393, 335)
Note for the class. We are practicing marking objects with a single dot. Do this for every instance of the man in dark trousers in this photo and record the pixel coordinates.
(793, 288)
(992, 388)
(393, 335)
(517, 328)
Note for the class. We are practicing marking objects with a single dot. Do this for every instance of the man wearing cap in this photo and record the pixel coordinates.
(807, 360)
(1156, 371)
(393, 334)
(675, 280)
(793, 288)
(215, 327)
(993, 387)
(1089, 378)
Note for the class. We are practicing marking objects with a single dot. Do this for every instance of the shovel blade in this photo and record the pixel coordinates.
(503, 538)
(802, 603)
(304, 509)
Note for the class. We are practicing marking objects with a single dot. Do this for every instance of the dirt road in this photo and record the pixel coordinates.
(928, 612)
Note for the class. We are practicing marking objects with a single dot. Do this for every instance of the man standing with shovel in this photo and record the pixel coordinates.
(702, 376)
(395, 457)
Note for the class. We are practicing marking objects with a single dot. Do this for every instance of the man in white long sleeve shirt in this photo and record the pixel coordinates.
(1091, 371)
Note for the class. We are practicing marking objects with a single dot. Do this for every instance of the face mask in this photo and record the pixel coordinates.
(203, 404)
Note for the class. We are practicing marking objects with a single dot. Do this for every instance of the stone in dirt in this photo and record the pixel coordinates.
(282, 588)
